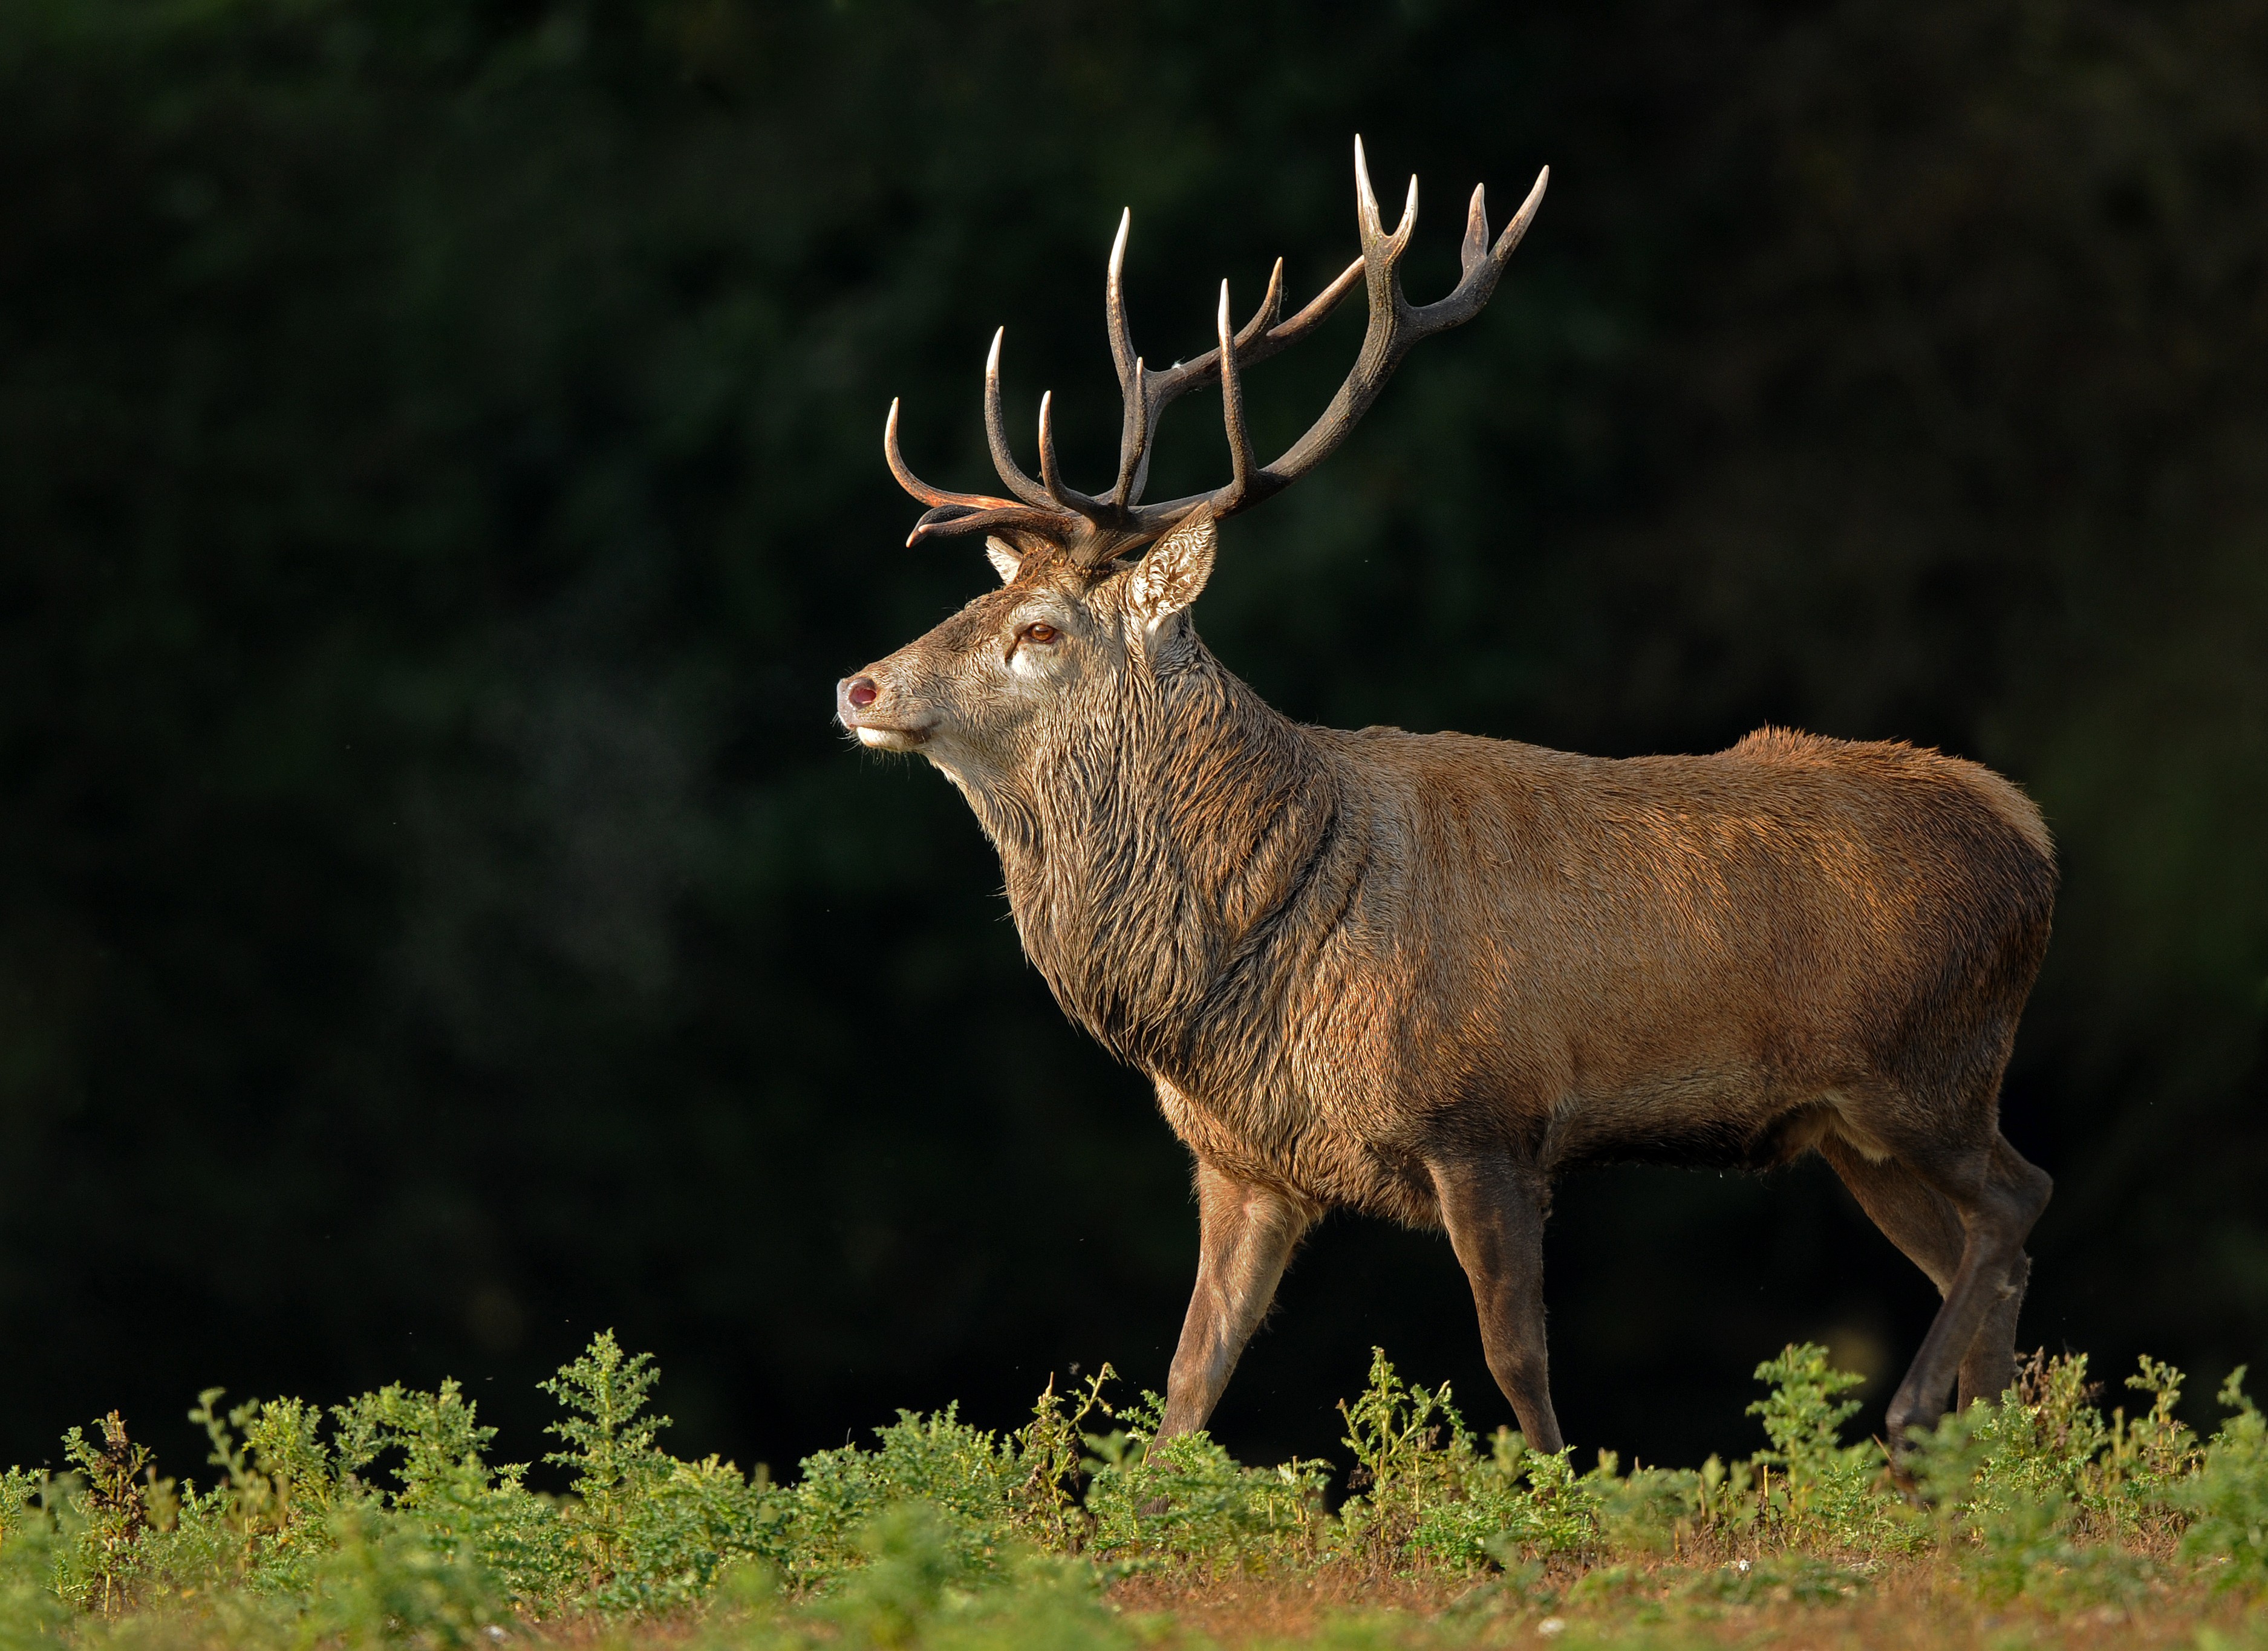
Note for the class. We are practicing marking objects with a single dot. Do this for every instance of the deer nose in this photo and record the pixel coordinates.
(860, 692)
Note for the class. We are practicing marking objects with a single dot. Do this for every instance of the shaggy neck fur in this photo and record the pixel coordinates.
(1153, 858)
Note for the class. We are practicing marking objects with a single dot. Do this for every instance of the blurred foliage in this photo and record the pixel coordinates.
(438, 488)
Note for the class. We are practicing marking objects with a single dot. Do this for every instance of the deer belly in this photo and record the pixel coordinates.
(1732, 1119)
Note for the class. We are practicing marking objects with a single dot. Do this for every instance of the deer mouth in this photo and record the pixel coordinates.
(887, 736)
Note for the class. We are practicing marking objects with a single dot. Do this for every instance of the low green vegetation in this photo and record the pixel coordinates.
(384, 1521)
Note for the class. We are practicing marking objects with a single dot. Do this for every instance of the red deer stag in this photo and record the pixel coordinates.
(1420, 974)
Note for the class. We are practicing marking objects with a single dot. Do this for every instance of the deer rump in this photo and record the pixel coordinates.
(1421, 974)
(1463, 946)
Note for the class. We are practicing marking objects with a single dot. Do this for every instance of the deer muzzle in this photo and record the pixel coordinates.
(863, 705)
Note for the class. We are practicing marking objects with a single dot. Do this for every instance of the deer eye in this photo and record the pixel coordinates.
(1039, 632)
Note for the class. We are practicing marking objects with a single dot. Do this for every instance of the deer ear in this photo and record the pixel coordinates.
(1175, 570)
(1003, 557)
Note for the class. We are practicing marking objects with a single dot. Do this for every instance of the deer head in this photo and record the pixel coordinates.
(1090, 627)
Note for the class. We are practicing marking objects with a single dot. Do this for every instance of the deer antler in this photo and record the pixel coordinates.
(962, 513)
(1146, 393)
(1093, 530)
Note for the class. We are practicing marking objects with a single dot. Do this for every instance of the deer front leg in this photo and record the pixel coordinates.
(1246, 1234)
(1495, 1213)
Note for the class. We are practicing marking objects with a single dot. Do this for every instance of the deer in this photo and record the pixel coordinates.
(1422, 976)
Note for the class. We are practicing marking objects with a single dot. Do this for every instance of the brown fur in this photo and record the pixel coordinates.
(1419, 974)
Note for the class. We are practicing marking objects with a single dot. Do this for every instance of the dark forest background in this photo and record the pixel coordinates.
(439, 486)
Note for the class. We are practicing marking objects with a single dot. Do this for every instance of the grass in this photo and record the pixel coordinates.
(2042, 1521)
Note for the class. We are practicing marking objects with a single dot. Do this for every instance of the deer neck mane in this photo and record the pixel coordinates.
(1150, 867)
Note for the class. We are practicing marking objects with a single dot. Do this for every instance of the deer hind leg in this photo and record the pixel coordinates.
(1995, 1196)
(1495, 1214)
(1989, 1369)
(1246, 1234)
(1925, 1227)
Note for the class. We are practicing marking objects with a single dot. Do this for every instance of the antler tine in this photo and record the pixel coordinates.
(1134, 426)
(914, 485)
(1477, 242)
(1516, 231)
(1367, 210)
(1319, 309)
(1366, 201)
(896, 460)
(1232, 407)
(1064, 497)
(1272, 309)
(1113, 295)
(1050, 473)
(996, 433)
(1133, 444)
(1002, 516)
(1481, 272)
